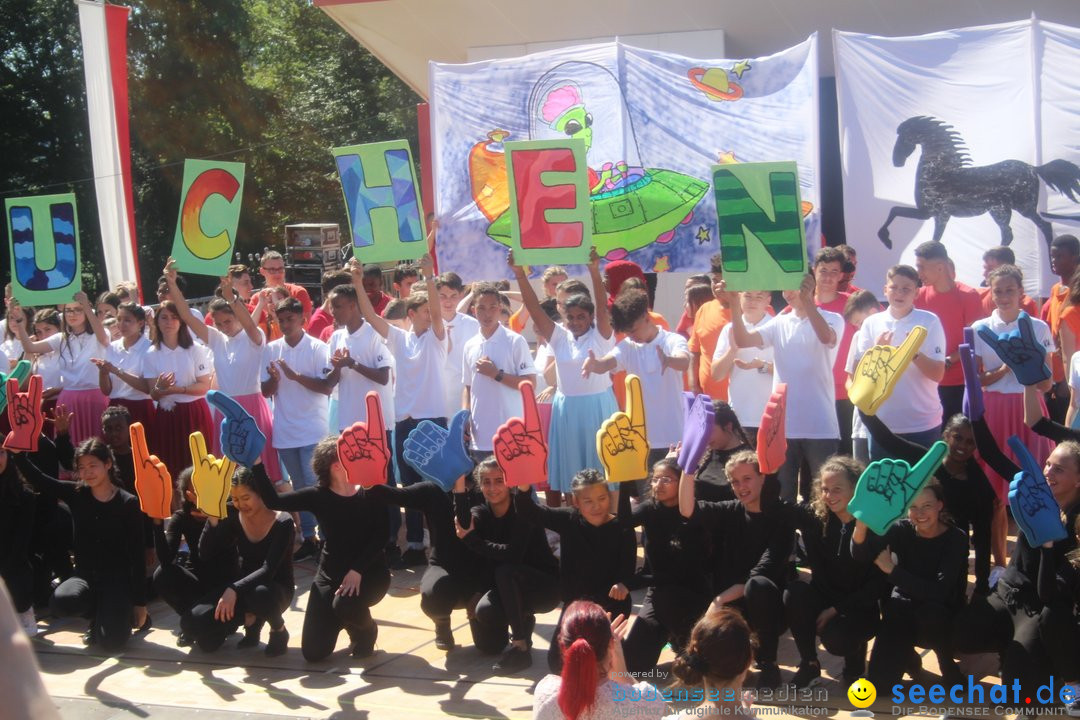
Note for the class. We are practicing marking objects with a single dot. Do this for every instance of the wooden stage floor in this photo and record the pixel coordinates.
(407, 675)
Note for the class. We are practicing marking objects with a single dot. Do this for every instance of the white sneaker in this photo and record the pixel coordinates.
(29, 622)
(995, 574)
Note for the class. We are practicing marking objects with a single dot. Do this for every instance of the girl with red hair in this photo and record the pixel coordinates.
(593, 670)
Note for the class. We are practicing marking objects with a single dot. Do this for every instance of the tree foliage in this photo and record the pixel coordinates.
(274, 84)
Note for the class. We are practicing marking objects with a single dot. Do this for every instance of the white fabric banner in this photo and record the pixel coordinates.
(106, 146)
(969, 136)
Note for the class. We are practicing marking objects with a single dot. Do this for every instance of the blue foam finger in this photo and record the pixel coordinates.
(439, 454)
(241, 439)
(1035, 510)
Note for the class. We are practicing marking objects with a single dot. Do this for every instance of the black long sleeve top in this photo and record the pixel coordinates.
(188, 527)
(929, 569)
(262, 562)
(594, 558)
(747, 544)
(16, 526)
(123, 465)
(108, 539)
(677, 549)
(850, 585)
(354, 528)
(447, 550)
(506, 539)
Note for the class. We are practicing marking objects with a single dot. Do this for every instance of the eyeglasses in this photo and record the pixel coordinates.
(73, 311)
(276, 269)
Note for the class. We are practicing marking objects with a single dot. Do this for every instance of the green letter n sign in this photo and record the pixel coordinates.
(762, 239)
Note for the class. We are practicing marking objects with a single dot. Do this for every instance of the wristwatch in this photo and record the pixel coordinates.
(499, 376)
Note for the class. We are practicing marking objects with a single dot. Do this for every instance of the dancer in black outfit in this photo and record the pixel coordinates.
(1028, 619)
(929, 580)
(352, 575)
(726, 439)
(522, 572)
(840, 603)
(598, 549)
(108, 586)
(263, 586)
(17, 503)
(453, 579)
(969, 496)
(181, 580)
(680, 587)
(753, 539)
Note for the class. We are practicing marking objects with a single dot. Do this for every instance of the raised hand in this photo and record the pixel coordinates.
(437, 453)
(697, 426)
(153, 483)
(20, 372)
(211, 477)
(973, 393)
(622, 442)
(1034, 507)
(519, 445)
(772, 435)
(887, 487)
(880, 369)
(24, 415)
(1020, 351)
(362, 447)
(241, 439)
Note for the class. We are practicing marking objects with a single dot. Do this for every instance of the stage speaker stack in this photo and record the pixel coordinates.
(312, 249)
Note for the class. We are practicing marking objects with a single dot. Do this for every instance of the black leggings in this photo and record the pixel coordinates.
(520, 592)
(668, 613)
(20, 583)
(50, 550)
(614, 607)
(442, 592)
(762, 604)
(178, 587)
(905, 625)
(328, 614)
(265, 602)
(843, 635)
(106, 603)
(1033, 643)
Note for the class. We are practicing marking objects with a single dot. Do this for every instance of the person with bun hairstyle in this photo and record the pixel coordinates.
(717, 659)
(840, 603)
(753, 537)
(590, 646)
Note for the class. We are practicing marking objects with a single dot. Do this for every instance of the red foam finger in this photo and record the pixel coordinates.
(376, 428)
(531, 412)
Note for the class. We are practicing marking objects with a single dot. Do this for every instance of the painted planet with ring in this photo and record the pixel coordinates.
(715, 83)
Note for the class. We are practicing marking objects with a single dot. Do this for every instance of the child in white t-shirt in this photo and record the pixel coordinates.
(804, 343)
(750, 369)
(658, 358)
(419, 358)
(913, 410)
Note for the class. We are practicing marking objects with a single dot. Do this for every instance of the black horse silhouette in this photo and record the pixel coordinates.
(946, 184)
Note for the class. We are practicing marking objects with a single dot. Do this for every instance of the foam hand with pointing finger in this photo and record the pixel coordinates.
(519, 445)
(973, 407)
(24, 415)
(622, 442)
(438, 453)
(362, 447)
(211, 477)
(1033, 505)
(20, 372)
(1019, 350)
(887, 487)
(241, 439)
(153, 483)
(698, 423)
(772, 435)
(880, 369)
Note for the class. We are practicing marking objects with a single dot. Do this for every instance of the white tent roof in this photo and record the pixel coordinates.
(406, 34)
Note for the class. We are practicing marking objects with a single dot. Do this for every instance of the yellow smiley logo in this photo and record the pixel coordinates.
(862, 693)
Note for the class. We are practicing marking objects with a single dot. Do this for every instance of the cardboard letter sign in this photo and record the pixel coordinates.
(44, 236)
(209, 213)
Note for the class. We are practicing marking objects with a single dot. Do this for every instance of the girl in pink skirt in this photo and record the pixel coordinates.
(1003, 395)
(237, 344)
(81, 339)
(125, 362)
(178, 371)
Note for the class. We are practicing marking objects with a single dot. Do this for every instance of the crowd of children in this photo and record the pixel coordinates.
(733, 557)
